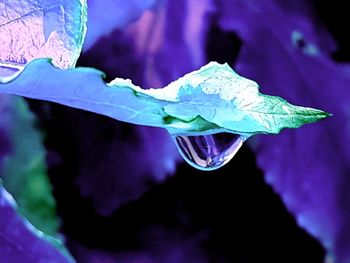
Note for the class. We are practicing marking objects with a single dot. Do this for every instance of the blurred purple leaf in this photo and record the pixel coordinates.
(20, 241)
(171, 39)
(286, 50)
(108, 15)
(127, 165)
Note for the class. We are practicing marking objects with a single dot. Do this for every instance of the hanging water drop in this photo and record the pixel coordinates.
(209, 152)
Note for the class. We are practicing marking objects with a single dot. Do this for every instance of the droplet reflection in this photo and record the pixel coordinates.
(209, 152)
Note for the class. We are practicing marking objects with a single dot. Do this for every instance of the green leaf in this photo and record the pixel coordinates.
(24, 169)
(210, 100)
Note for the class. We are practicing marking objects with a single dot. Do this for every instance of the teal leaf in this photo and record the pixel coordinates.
(210, 100)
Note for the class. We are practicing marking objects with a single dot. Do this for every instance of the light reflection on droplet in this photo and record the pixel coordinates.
(209, 152)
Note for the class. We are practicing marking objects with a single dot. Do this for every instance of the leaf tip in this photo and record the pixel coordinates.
(323, 114)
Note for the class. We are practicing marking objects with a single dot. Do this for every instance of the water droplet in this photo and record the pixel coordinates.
(209, 152)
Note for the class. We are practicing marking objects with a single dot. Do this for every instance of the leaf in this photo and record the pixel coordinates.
(38, 29)
(20, 241)
(212, 99)
(24, 168)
